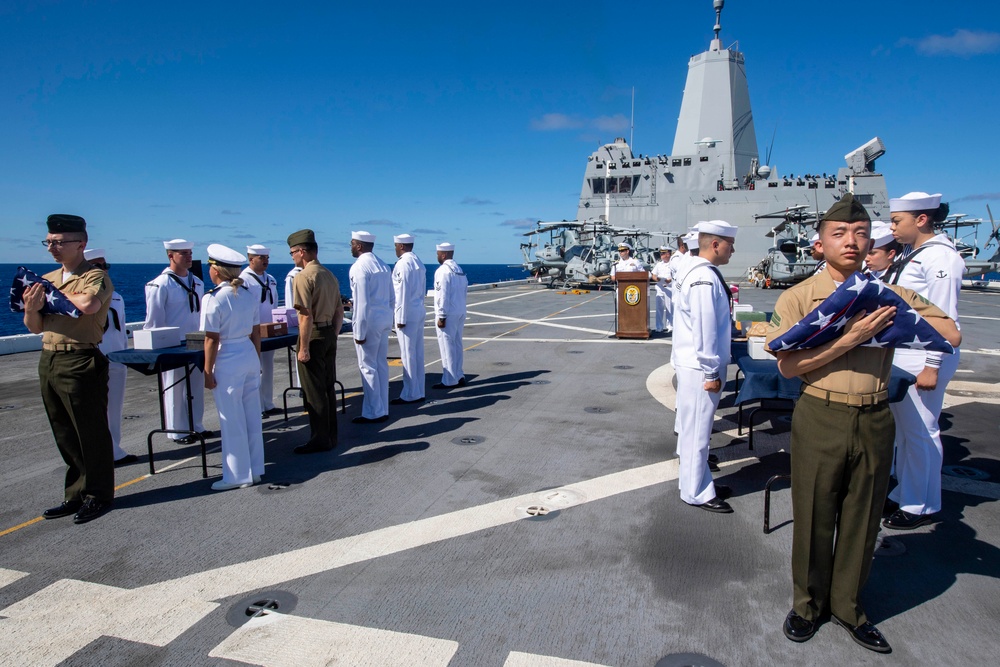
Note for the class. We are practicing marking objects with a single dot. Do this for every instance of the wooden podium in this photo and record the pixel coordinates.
(631, 306)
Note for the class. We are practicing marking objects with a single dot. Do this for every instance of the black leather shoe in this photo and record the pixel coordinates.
(866, 635)
(901, 520)
(68, 507)
(797, 628)
(125, 460)
(723, 492)
(462, 382)
(186, 440)
(717, 505)
(713, 467)
(712, 458)
(91, 509)
(369, 420)
(401, 401)
(442, 385)
(313, 448)
(270, 412)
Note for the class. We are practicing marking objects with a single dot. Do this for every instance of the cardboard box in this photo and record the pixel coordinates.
(154, 339)
(195, 340)
(755, 346)
(287, 315)
(273, 329)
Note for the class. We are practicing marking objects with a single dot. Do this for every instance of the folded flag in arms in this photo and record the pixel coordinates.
(867, 293)
(56, 302)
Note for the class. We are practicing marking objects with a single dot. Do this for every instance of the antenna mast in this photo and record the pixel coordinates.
(631, 130)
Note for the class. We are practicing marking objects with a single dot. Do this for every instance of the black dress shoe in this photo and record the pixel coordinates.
(713, 467)
(91, 509)
(866, 635)
(717, 505)
(442, 385)
(125, 460)
(901, 520)
(712, 458)
(313, 448)
(68, 507)
(369, 420)
(889, 508)
(462, 382)
(272, 411)
(723, 492)
(402, 401)
(797, 628)
(186, 440)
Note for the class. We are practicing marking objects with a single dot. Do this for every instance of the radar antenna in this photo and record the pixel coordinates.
(718, 4)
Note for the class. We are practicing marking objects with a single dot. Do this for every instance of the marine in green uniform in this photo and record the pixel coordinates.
(316, 295)
(842, 436)
(73, 373)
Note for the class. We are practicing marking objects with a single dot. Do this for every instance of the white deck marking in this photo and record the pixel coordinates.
(604, 341)
(277, 640)
(544, 323)
(504, 298)
(10, 576)
(515, 659)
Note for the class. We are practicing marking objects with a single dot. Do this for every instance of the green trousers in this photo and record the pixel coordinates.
(841, 457)
(318, 377)
(75, 394)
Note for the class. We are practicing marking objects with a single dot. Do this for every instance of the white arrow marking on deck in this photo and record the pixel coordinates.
(544, 323)
(56, 622)
(515, 659)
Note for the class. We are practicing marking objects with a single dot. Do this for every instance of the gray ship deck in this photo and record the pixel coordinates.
(414, 542)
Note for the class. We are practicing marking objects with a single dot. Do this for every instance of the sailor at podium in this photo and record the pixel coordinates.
(625, 262)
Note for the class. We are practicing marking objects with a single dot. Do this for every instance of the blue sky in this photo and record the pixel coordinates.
(241, 122)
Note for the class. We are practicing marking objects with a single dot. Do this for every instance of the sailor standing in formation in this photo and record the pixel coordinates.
(73, 373)
(265, 290)
(372, 294)
(450, 289)
(700, 355)
(173, 299)
(115, 338)
(931, 267)
(884, 249)
(842, 432)
(230, 319)
(663, 290)
(290, 297)
(677, 259)
(409, 281)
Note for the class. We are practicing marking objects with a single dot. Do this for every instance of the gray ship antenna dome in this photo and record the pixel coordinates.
(764, 171)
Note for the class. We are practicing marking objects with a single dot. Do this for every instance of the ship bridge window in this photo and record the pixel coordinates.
(865, 199)
(624, 185)
(831, 184)
(703, 158)
(687, 162)
(597, 186)
(772, 185)
(676, 162)
(813, 185)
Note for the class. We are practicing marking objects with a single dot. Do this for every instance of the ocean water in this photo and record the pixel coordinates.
(130, 281)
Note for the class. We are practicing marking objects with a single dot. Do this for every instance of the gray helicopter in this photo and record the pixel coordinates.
(790, 259)
(581, 252)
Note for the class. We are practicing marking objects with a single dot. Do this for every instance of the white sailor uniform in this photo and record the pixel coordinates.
(701, 342)
(409, 282)
(265, 291)
(934, 271)
(675, 265)
(450, 288)
(115, 338)
(630, 264)
(289, 300)
(663, 291)
(237, 376)
(372, 293)
(173, 301)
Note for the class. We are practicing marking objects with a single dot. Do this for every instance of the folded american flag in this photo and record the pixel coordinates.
(56, 302)
(857, 293)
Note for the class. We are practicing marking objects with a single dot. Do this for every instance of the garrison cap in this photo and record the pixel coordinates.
(300, 237)
(61, 223)
(90, 254)
(223, 256)
(260, 250)
(404, 239)
(848, 209)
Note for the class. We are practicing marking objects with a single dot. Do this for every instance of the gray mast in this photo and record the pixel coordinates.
(716, 107)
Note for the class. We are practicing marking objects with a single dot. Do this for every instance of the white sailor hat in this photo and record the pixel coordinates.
(405, 239)
(364, 237)
(624, 244)
(223, 256)
(258, 250)
(718, 228)
(915, 201)
(814, 238)
(881, 234)
(93, 253)
(178, 244)
(690, 238)
(445, 247)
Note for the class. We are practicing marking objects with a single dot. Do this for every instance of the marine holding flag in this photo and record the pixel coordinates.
(842, 431)
(72, 371)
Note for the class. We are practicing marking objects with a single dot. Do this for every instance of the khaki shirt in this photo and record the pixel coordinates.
(862, 370)
(62, 329)
(317, 289)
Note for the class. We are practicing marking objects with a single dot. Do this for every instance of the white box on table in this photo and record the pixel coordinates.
(155, 338)
(287, 315)
(755, 346)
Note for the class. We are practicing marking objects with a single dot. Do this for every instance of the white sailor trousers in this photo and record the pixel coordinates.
(237, 397)
(267, 380)
(373, 362)
(117, 374)
(450, 345)
(695, 414)
(175, 401)
(919, 453)
(664, 308)
(411, 353)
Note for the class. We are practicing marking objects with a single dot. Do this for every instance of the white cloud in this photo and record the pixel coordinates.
(616, 123)
(556, 121)
(961, 43)
(523, 223)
